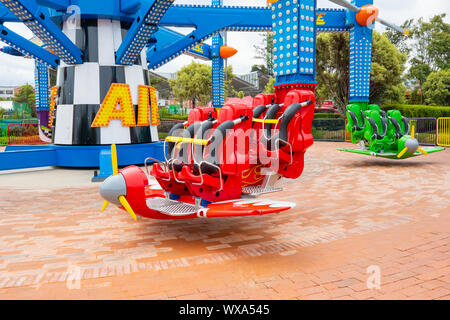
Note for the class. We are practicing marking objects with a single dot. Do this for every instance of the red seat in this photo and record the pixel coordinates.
(284, 152)
(180, 154)
(219, 176)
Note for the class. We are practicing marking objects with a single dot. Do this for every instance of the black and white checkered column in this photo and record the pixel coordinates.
(83, 87)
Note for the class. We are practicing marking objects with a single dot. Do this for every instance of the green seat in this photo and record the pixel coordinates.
(376, 125)
(399, 123)
(355, 118)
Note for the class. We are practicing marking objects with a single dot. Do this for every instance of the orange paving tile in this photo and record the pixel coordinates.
(352, 213)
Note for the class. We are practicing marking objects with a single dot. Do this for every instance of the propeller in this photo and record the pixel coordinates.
(366, 15)
(412, 145)
(107, 191)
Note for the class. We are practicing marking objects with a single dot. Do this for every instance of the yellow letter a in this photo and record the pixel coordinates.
(118, 94)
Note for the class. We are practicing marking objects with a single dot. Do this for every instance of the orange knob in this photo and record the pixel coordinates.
(367, 15)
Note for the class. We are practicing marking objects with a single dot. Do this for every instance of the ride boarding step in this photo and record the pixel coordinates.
(268, 186)
(257, 190)
(172, 207)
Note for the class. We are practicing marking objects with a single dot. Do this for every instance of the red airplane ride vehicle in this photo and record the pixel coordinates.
(216, 164)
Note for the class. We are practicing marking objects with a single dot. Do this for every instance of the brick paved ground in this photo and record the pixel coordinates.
(353, 212)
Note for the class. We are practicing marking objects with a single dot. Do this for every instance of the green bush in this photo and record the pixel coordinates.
(327, 116)
(165, 114)
(419, 111)
(174, 117)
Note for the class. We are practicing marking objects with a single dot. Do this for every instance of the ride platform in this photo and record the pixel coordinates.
(393, 156)
(35, 156)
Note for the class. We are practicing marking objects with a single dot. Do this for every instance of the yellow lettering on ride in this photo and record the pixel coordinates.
(144, 106)
(320, 18)
(198, 48)
(118, 105)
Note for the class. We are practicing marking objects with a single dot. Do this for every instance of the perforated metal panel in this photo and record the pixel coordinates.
(257, 190)
(294, 33)
(171, 207)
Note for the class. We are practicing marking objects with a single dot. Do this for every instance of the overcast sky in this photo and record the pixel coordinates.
(16, 71)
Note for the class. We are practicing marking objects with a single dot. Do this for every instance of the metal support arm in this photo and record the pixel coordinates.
(164, 37)
(38, 20)
(27, 48)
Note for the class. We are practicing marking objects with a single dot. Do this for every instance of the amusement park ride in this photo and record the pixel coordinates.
(216, 163)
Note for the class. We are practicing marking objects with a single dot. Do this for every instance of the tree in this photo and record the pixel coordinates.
(436, 89)
(26, 95)
(388, 65)
(194, 82)
(265, 52)
(332, 63)
(269, 87)
(228, 80)
(398, 39)
(419, 71)
(430, 47)
(260, 68)
(238, 94)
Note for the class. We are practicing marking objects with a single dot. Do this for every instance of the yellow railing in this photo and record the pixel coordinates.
(443, 132)
(187, 140)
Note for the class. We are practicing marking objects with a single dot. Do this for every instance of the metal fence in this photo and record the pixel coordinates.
(3, 136)
(329, 129)
(429, 131)
(426, 132)
(24, 134)
(443, 132)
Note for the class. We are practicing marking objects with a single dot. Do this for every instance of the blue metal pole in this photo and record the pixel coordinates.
(360, 56)
(42, 94)
(218, 75)
(42, 91)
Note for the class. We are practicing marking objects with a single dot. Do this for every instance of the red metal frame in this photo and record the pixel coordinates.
(24, 134)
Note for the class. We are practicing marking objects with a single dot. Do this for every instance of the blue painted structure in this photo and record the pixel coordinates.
(142, 29)
(38, 19)
(164, 37)
(295, 24)
(21, 157)
(27, 48)
(218, 73)
(149, 18)
(105, 165)
(294, 39)
(360, 56)
(41, 91)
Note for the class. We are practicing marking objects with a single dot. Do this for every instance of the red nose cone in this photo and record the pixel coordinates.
(227, 52)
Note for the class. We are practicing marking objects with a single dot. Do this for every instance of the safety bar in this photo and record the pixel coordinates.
(268, 121)
(277, 142)
(164, 150)
(272, 121)
(303, 104)
(202, 142)
(173, 170)
(162, 164)
(201, 174)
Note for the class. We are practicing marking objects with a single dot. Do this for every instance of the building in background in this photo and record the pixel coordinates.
(7, 105)
(7, 92)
